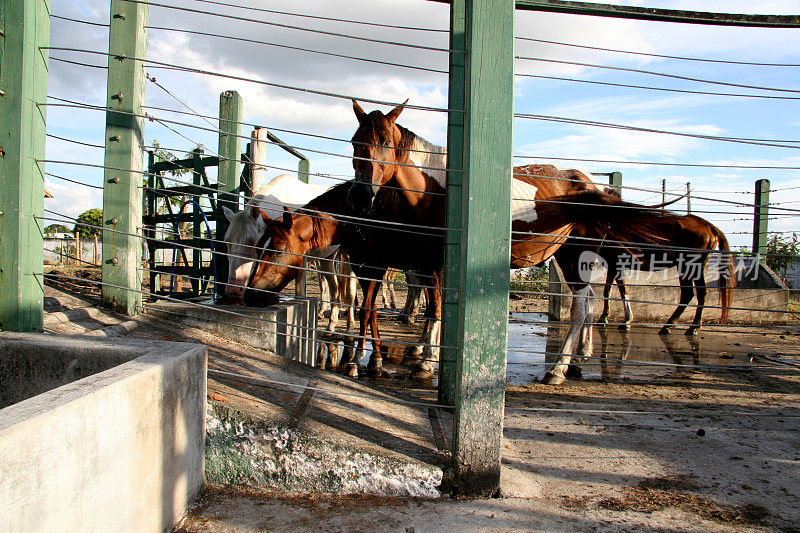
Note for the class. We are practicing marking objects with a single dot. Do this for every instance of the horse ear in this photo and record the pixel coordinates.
(228, 213)
(254, 211)
(265, 217)
(287, 219)
(392, 115)
(360, 113)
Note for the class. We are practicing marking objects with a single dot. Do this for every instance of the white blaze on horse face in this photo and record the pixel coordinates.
(523, 206)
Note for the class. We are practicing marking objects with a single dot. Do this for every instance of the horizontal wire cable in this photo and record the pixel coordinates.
(228, 254)
(152, 79)
(183, 68)
(660, 74)
(595, 123)
(73, 181)
(293, 27)
(60, 17)
(94, 107)
(78, 63)
(331, 19)
(651, 88)
(646, 54)
(296, 48)
(66, 139)
(658, 163)
(692, 413)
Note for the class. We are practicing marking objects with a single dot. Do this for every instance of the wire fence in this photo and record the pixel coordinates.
(729, 208)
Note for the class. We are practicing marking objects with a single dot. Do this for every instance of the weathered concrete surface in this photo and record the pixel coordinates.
(287, 328)
(121, 449)
(759, 299)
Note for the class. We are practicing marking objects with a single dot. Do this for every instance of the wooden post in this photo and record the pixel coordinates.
(77, 248)
(95, 255)
(258, 155)
(484, 195)
(23, 84)
(761, 219)
(122, 201)
(228, 173)
(688, 198)
(302, 170)
(615, 182)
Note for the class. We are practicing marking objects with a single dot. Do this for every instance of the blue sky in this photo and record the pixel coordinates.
(768, 119)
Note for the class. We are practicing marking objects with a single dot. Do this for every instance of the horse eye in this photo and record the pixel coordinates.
(387, 143)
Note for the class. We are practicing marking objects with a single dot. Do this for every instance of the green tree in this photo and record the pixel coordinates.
(89, 223)
(55, 228)
(782, 251)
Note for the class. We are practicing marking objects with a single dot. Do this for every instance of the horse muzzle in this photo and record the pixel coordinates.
(360, 197)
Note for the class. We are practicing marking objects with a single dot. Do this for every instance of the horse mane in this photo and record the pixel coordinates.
(424, 153)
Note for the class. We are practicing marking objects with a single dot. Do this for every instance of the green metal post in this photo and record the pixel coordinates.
(122, 201)
(761, 219)
(455, 155)
(228, 174)
(25, 26)
(615, 181)
(484, 248)
(302, 170)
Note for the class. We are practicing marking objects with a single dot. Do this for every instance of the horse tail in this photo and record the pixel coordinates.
(727, 272)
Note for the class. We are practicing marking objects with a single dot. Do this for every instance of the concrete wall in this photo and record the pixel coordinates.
(759, 298)
(287, 328)
(119, 450)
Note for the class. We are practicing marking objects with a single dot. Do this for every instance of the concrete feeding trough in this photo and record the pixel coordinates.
(287, 329)
(99, 434)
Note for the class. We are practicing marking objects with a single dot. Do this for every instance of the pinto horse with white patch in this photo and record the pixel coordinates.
(247, 226)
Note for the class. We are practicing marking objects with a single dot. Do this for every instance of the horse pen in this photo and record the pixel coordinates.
(144, 394)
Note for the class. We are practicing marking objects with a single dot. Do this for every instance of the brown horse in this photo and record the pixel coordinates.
(691, 241)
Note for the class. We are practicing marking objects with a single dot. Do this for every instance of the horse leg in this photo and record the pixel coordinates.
(370, 289)
(686, 297)
(375, 365)
(432, 341)
(350, 292)
(413, 295)
(701, 291)
(300, 280)
(610, 278)
(392, 296)
(623, 294)
(581, 301)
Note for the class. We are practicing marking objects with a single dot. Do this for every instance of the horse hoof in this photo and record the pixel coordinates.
(624, 327)
(352, 371)
(375, 372)
(421, 374)
(602, 320)
(691, 332)
(574, 372)
(552, 379)
(664, 331)
(411, 356)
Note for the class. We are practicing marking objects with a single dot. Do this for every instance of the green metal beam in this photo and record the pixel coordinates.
(484, 247)
(23, 81)
(455, 162)
(615, 181)
(761, 219)
(231, 108)
(302, 170)
(122, 200)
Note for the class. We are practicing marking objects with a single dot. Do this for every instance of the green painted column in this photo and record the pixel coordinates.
(455, 155)
(25, 26)
(484, 196)
(302, 170)
(228, 173)
(761, 219)
(124, 159)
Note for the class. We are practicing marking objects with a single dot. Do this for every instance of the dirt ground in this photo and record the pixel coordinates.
(627, 447)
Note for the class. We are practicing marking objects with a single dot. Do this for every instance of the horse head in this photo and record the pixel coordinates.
(244, 230)
(376, 152)
(281, 247)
